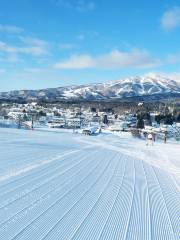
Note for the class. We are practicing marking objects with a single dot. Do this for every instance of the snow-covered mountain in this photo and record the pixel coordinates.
(151, 85)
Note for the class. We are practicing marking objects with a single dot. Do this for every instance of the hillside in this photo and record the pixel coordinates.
(69, 186)
(151, 86)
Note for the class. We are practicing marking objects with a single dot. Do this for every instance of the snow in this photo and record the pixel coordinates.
(59, 185)
(148, 84)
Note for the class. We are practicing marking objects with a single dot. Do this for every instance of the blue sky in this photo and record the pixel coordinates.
(51, 43)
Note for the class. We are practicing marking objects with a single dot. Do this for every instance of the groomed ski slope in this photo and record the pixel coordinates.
(58, 185)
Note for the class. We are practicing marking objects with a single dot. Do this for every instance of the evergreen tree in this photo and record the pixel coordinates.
(178, 118)
(41, 113)
(105, 119)
(25, 117)
(158, 118)
(169, 119)
(140, 122)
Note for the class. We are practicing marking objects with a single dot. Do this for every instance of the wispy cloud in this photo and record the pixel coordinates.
(112, 60)
(80, 37)
(34, 70)
(87, 35)
(35, 46)
(79, 5)
(173, 58)
(31, 46)
(2, 71)
(171, 19)
(12, 58)
(33, 41)
(4, 47)
(10, 29)
(170, 75)
(66, 46)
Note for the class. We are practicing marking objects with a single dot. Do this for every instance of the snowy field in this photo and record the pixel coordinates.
(59, 185)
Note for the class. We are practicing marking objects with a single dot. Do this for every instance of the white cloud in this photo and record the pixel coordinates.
(10, 29)
(174, 76)
(171, 19)
(112, 60)
(76, 62)
(33, 41)
(35, 46)
(170, 75)
(32, 46)
(4, 47)
(34, 70)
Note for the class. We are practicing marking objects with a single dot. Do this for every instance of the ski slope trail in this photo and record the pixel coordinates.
(59, 185)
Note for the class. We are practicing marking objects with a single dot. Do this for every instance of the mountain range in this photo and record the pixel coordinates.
(149, 86)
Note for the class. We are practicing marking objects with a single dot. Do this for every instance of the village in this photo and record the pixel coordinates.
(162, 123)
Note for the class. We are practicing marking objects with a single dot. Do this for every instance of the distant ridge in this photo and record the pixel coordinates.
(150, 86)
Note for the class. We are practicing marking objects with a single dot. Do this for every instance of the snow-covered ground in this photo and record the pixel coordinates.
(59, 185)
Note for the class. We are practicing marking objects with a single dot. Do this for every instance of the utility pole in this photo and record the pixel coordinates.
(19, 122)
(32, 122)
(80, 119)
